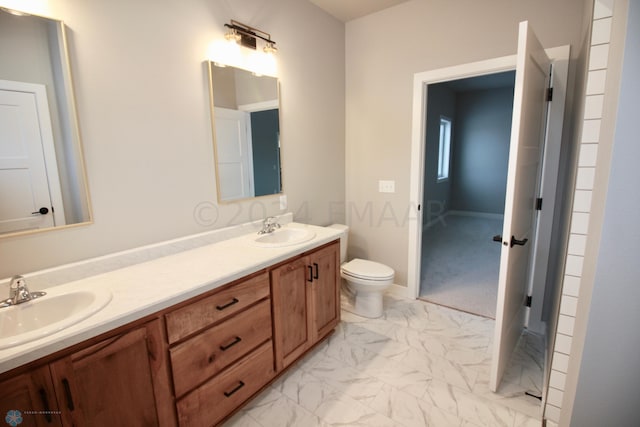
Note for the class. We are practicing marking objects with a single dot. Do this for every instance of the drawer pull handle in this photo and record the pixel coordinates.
(238, 387)
(231, 344)
(310, 279)
(227, 305)
(316, 274)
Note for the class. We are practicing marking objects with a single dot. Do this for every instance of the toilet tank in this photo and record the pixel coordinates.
(344, 240)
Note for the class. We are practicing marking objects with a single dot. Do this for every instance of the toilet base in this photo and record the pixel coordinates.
(365, 304)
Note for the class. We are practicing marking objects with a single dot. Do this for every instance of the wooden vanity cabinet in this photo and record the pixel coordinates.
(119, 380)
(221, 350)
(194, 363)
(306, 302)
(122, 380)
(32, 394)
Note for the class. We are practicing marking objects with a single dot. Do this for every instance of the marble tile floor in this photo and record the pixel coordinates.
(421, 364)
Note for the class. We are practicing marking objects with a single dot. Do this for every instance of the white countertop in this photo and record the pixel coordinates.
(148, 287)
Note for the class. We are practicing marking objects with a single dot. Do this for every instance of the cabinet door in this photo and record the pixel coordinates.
(30, 397)
(325, 290)
(291, 287)
(122, 380)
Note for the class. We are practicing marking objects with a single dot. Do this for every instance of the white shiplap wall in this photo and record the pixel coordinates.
(587, 162)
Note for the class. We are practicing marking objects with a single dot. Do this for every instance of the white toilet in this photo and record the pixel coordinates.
(366, 281)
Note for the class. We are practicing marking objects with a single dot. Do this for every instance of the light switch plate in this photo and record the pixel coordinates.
(283, 202)
(386, 186)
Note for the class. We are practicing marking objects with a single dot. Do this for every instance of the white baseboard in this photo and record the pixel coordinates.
(398, 291)
(477, 214)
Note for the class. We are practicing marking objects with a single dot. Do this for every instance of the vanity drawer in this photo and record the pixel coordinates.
(216, 348)
(216, 307)
(218, 397)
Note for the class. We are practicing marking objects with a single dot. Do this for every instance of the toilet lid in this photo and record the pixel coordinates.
(367, 269)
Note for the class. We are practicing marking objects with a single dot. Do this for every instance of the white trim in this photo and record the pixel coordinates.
(485, 215)
(559, 57)
(397, 291)
(259, 106)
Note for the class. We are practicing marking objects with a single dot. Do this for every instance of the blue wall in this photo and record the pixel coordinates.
(265, 136)
(480, 154)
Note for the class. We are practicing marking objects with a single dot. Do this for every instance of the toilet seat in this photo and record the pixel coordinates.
(367, 270)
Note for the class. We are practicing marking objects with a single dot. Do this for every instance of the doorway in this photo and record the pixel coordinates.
(465, 174)
(531, 283)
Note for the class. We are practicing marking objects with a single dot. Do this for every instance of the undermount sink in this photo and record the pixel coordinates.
(51, 313)
(285, 236)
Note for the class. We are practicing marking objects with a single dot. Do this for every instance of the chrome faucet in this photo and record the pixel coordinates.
(269, 225)
(19, 292)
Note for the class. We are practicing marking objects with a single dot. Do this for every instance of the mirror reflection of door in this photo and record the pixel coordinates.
(246, 120)
(235, 169)
(33, 51)
(29, 185)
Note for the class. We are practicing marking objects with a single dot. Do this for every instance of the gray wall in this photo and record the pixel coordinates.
(609, 382)
(481, 150)
(380, 67)
(142, 94)
(441, 101)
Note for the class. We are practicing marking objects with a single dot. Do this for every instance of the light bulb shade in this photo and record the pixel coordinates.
(232, 36)
(270, 48)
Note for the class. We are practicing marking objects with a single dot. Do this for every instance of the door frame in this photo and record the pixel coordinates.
(560, 58)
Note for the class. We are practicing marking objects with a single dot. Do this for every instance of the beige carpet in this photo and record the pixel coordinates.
(460, 264)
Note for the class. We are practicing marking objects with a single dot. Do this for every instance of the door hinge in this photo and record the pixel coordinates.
(539, 204)
(549, 94)
(528, 301)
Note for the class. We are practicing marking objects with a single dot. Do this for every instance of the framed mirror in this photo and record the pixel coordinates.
(42, 174)
(245, 112)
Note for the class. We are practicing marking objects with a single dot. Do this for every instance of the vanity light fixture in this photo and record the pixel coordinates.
(247, 36)
(14, 12)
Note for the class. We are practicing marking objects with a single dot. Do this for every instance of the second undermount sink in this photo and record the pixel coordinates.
(51, 313)
(285, 236)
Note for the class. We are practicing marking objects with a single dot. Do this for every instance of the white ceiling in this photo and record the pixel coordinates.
(346, 10)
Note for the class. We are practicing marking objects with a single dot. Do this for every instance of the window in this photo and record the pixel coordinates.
(444, 149)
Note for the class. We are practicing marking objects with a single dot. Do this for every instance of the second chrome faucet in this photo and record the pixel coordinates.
(269, 225)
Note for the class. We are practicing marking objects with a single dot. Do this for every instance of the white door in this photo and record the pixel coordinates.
(233, 154)
(29, 184)
(527, 133)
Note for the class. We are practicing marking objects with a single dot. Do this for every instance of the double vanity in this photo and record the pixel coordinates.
(183, 339)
